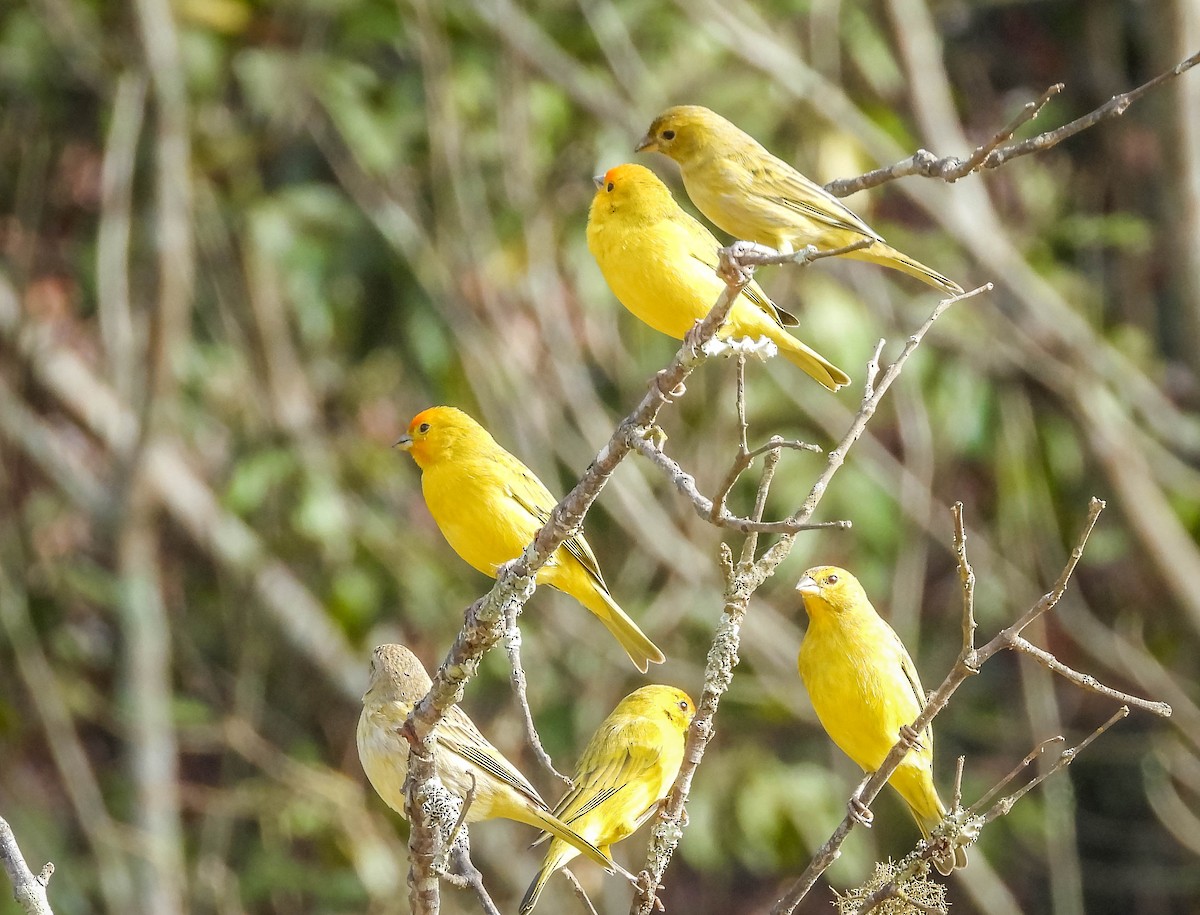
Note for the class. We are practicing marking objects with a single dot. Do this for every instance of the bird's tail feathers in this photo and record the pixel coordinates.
(808, 360)
(636, 643)
(552, 863)
(560, 830)
(880, 253)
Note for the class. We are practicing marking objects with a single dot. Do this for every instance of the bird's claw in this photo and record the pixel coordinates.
(860, 812)
(911, 737)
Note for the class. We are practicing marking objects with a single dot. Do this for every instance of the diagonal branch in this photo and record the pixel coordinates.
(992, 154)
(29, 889)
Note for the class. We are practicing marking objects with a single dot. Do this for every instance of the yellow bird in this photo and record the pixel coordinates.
(463, 757)
(624, 773)
(864, 688)
(756, 196)
(660, 264)
(490, 506)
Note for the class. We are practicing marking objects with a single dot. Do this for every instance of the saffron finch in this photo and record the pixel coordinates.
(864, 688)
(463, 758)
(490, 506)
(625, 771)
(660, 263)
(753, 195)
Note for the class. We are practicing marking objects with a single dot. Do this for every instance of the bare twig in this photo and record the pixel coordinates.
(580, 893)
(29, 889)
(1016, 770)
(512, 648)
(706, 508)
(991, 154)
(1065, 758)
(1087, 681)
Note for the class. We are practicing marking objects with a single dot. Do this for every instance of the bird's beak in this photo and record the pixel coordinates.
(808, 585)
(404, 443)
(646, 144)
(598, 180)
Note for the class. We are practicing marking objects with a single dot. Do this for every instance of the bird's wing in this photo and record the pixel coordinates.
(458, 734)
(783, 185)
(702, 247)
(533, 497)
(627, 755)
(914, 683)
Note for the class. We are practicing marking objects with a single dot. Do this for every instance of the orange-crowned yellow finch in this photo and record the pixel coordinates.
(864, 688)
(463, 757)
(660, 264)
(756, 196)
(626, 769)
(490, 506)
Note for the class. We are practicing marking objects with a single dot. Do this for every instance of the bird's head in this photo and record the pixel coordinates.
(828, 588)
(396, 675)
(683, 132)
(631, 191)
(434, 434)
(660, 702)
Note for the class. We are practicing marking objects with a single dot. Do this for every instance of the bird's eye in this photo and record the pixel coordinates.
(668, 135)
(423, 428)
(682, 705)
(831, 580)
(610, 187)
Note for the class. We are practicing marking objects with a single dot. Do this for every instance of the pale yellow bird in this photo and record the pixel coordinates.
(864, 688)
(624, 773)
(754, 195)
(464, 759)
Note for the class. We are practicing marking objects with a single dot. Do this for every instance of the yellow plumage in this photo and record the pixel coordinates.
(864, 688)
(490, 506)
(756, 196)
(659, 262)
(626, 769)
(463, 757)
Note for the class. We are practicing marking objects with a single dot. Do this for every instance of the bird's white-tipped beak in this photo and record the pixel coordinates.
(808, 585)
(404, 443)
(598, 180)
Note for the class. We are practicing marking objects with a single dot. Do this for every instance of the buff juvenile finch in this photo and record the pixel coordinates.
(463, 757)
(756, 196)
(490, 506)
(660, 263)
(624, 773)
(864, 688)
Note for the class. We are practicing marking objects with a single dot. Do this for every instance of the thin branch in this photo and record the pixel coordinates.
(512, 648)
(580, 893)
(705, 508)
(1017, 770)
(29, 889)
(967, 576)
(991, 154)
(1087, 681)
(1065, 758)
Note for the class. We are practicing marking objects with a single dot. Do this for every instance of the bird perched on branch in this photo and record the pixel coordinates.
(464, 759)
(865, 689)
(660, 263)
(624, 773)
(753, 195)
(490, 506)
